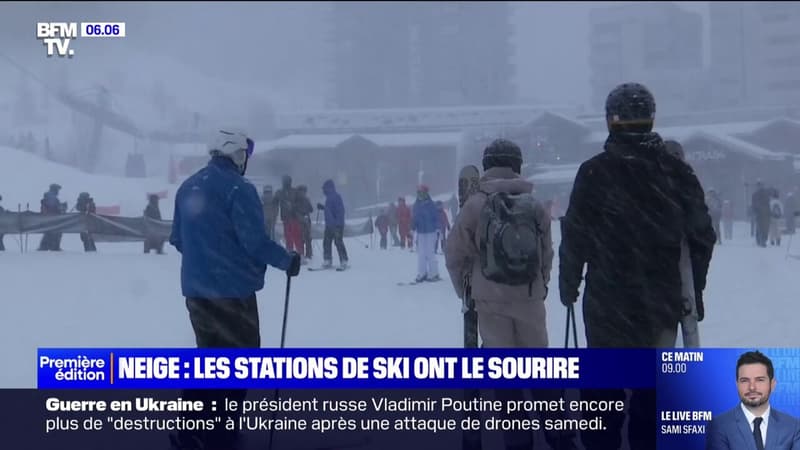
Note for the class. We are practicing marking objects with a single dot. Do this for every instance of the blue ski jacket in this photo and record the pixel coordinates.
(334, 206)
(218, 227)
(425, 217)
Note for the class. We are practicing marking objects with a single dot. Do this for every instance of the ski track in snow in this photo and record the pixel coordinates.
(120, 297)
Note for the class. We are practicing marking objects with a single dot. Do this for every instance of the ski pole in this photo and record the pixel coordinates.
(283, 343)
(566, 328)
(574, 326)
(571, 318)
(19, 217)
(286, 310)
(27, 209)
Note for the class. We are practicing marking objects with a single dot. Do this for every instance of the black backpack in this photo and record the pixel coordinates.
(510, 239)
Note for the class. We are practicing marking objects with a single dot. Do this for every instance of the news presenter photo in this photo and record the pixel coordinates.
(754, 423)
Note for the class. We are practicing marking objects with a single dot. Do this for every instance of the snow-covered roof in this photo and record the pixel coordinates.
(554, 174)
(451, 118)
(544, 115)
(685, 131)
(415, 139)
(778, 122)
(306, 141)
(739, 146)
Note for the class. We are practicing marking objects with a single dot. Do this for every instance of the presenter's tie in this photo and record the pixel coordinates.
(757, 433)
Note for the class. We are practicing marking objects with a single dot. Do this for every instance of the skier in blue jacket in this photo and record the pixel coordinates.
(218, 228)
(334, 226)
(425, 223)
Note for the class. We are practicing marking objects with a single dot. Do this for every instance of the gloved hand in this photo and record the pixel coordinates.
(701, 308)
(320, 207)
(294, 265)
(568, 300)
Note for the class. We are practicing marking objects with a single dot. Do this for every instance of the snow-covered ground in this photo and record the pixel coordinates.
(119, 297)
(24, 178)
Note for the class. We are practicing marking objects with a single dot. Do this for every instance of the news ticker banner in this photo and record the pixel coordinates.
(342, 368)
(398, 390)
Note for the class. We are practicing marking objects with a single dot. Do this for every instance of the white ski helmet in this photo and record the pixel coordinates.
(234, 144)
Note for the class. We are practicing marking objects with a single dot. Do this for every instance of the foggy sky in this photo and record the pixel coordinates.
(278, 46)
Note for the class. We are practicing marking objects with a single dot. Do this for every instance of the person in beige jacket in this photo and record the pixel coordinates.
(508, 316)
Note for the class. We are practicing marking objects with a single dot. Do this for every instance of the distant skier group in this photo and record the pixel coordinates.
(770, 217)
(50, 204)
(294, 208)
(395, 222)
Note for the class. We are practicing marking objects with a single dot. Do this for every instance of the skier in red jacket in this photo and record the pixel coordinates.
(404, 222)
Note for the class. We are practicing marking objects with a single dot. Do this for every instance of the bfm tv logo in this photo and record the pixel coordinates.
(57, 36)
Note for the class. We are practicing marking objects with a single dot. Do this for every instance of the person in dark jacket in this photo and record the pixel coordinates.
(152, 211)
(425, 223)
(304, 210)
(761, 213)
(334, 226)
(391, 214)
(382, 224)
(630, 207)
(51, 205)
(714, 203)
(270, 210)
(85, 205)
(218, 228)
(286, 201)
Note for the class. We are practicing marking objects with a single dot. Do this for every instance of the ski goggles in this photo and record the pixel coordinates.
(250, 147)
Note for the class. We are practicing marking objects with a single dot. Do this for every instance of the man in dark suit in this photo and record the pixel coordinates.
(753, 424)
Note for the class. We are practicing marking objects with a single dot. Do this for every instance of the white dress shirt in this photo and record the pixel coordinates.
(764, 423)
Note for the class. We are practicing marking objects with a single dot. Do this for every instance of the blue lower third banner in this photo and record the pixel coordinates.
(342, 368)
(411, 398)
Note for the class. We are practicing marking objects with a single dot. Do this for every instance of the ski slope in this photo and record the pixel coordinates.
(120, 297)
(25, 177)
